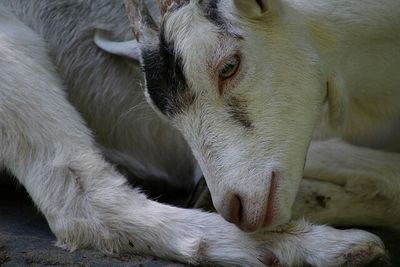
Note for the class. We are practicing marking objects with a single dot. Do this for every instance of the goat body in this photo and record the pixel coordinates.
(51, 73)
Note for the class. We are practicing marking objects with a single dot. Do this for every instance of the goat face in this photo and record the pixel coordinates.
(241, 83)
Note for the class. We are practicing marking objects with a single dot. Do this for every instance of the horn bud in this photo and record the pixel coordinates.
(166, 5)
(142, 23)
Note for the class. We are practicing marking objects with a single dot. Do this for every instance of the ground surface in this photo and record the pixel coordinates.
(25, 240)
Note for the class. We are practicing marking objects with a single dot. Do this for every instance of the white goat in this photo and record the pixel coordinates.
(45, 144)
(248, 83)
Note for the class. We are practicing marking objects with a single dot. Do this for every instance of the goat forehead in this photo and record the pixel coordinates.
(209, 9)
(188, 40)
(189, 26)
(168, 66)
(196, 38)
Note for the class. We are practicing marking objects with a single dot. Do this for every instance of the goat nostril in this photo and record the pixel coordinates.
(235, 209)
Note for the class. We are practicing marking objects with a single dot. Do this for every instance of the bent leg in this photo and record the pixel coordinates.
(359, 185)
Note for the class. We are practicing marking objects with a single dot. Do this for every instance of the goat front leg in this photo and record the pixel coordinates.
(88, 204)
(353, 185)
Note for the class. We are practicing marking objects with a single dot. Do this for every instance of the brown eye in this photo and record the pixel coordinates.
(229, 68)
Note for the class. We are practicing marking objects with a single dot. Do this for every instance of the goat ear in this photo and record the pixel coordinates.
(128, 49)
(143, 26)
(252, 8)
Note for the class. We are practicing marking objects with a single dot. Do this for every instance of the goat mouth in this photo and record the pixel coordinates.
(328, 86)
(267, 216)
(271, 206)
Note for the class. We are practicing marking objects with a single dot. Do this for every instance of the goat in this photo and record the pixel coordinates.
(45, 143)
(249, 83)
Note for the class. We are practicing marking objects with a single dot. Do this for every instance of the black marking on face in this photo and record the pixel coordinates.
(214, 15)
(237, 108)
(165, 80)
(211, 12)
(177, 5)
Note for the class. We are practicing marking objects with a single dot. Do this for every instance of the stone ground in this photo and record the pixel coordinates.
(26, 240)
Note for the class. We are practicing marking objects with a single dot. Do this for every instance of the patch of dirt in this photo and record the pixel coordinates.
(47, 258)
(3, 256)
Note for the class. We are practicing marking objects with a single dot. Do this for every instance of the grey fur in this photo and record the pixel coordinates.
(106, 89)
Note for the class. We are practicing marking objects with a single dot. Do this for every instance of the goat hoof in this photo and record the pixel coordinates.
(363, 255)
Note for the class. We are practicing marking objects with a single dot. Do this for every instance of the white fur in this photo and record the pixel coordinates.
(308, 67)
(46, 145)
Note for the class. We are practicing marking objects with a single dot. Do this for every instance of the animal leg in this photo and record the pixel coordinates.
(328, 203)
(359, 185)
(88, 204)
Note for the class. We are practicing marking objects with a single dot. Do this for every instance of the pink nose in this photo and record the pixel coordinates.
(248, 218)
(237, 215)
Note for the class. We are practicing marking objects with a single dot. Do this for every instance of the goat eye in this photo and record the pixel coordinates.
(229, 68)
